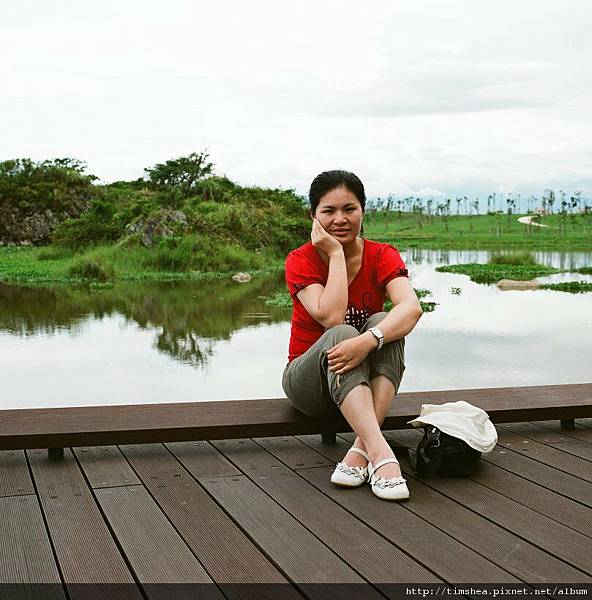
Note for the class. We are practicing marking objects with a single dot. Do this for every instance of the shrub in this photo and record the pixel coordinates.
(92, 269)
(55, 184)
(517, 258)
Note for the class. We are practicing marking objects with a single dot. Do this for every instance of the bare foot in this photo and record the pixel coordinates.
(390, 469)
(353, 459)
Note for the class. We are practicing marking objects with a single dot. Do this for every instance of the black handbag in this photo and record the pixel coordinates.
(439, 453)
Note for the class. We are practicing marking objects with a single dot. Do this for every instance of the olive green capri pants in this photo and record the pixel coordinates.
(318, 392)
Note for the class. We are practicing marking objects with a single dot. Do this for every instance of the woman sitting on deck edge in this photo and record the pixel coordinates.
(346, 353)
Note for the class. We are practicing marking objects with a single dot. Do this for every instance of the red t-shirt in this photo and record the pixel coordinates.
(366, 294)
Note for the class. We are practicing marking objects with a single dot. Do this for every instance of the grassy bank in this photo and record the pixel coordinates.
(106, 264)
(486, 232)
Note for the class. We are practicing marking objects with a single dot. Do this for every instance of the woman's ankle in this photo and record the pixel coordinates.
(379, 450)
(358, 443)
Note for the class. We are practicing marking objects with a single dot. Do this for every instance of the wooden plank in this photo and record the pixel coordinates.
(298, 553)
(556, 438)
(552, 537)
(577, 448)
(152, 546)
(25, 551)
(16, 479)
(222, 548)
(549, 477)
(546, 454)
(362, 548)
(78, 531)
(511, 484)
(535, 431)
(202, 459)
(292, 452)
(439, 552)
(545, 501)
(580, 432)
(144, 423)
(485, 536)
(105, 466)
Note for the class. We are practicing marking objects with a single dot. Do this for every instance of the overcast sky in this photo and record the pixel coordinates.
(430, 97)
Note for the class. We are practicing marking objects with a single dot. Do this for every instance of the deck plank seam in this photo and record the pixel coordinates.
(270, 558)
(118, 545)
(532, 436)
(568, 433)
(567, 451)
(353, 515)
(587, 425)
(508, 446)
(46, 524)
(388, 435)
(557, 445)
(147, 489)
(230, 517)
(512, 533)
(425, 565)
(372, 584)
(494, 466)
(500, 525)
(536, 482)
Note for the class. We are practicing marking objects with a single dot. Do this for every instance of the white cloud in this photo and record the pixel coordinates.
(454, 96)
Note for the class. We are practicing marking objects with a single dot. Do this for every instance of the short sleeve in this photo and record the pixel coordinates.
(301, 271)
(389, 265)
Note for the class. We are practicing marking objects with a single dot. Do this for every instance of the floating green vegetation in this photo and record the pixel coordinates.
(572, 287)
(583, 270)
(283, 300)
(488, 273)
(280, 300)
(456, 291)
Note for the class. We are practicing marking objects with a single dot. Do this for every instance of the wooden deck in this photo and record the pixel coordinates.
(233, 514)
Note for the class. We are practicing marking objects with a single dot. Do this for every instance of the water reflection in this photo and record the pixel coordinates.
(559, 260)
(189, 341)
(183, 315)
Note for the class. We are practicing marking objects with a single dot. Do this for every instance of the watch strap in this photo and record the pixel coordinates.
(378, 335)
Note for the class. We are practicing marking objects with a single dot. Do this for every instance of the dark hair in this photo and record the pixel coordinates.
(329, 180)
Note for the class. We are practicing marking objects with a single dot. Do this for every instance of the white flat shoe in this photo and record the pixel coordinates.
(387, 488)
(347, 476)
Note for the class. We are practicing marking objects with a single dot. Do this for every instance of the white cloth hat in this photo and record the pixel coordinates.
(461, 420)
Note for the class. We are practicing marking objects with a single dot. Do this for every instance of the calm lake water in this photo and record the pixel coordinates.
(192, 341)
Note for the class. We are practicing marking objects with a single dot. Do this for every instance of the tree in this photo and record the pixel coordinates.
(180, 175)
(53, 184)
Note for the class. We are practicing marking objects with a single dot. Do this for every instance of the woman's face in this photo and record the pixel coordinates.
(340, 213)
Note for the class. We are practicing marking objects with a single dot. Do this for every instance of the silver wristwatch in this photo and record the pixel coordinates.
(378, 335)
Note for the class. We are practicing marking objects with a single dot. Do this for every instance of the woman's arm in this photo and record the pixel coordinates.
(327, 304)
(405, 313)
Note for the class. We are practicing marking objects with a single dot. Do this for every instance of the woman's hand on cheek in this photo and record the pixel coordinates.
(348, 354)
(322, 241)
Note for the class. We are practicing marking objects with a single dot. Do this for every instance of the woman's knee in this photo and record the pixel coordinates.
(374, 320)
(339, 333)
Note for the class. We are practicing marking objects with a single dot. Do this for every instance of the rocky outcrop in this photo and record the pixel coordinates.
(160, 225)
(512, 284)
(241, 277)
(20, 227)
